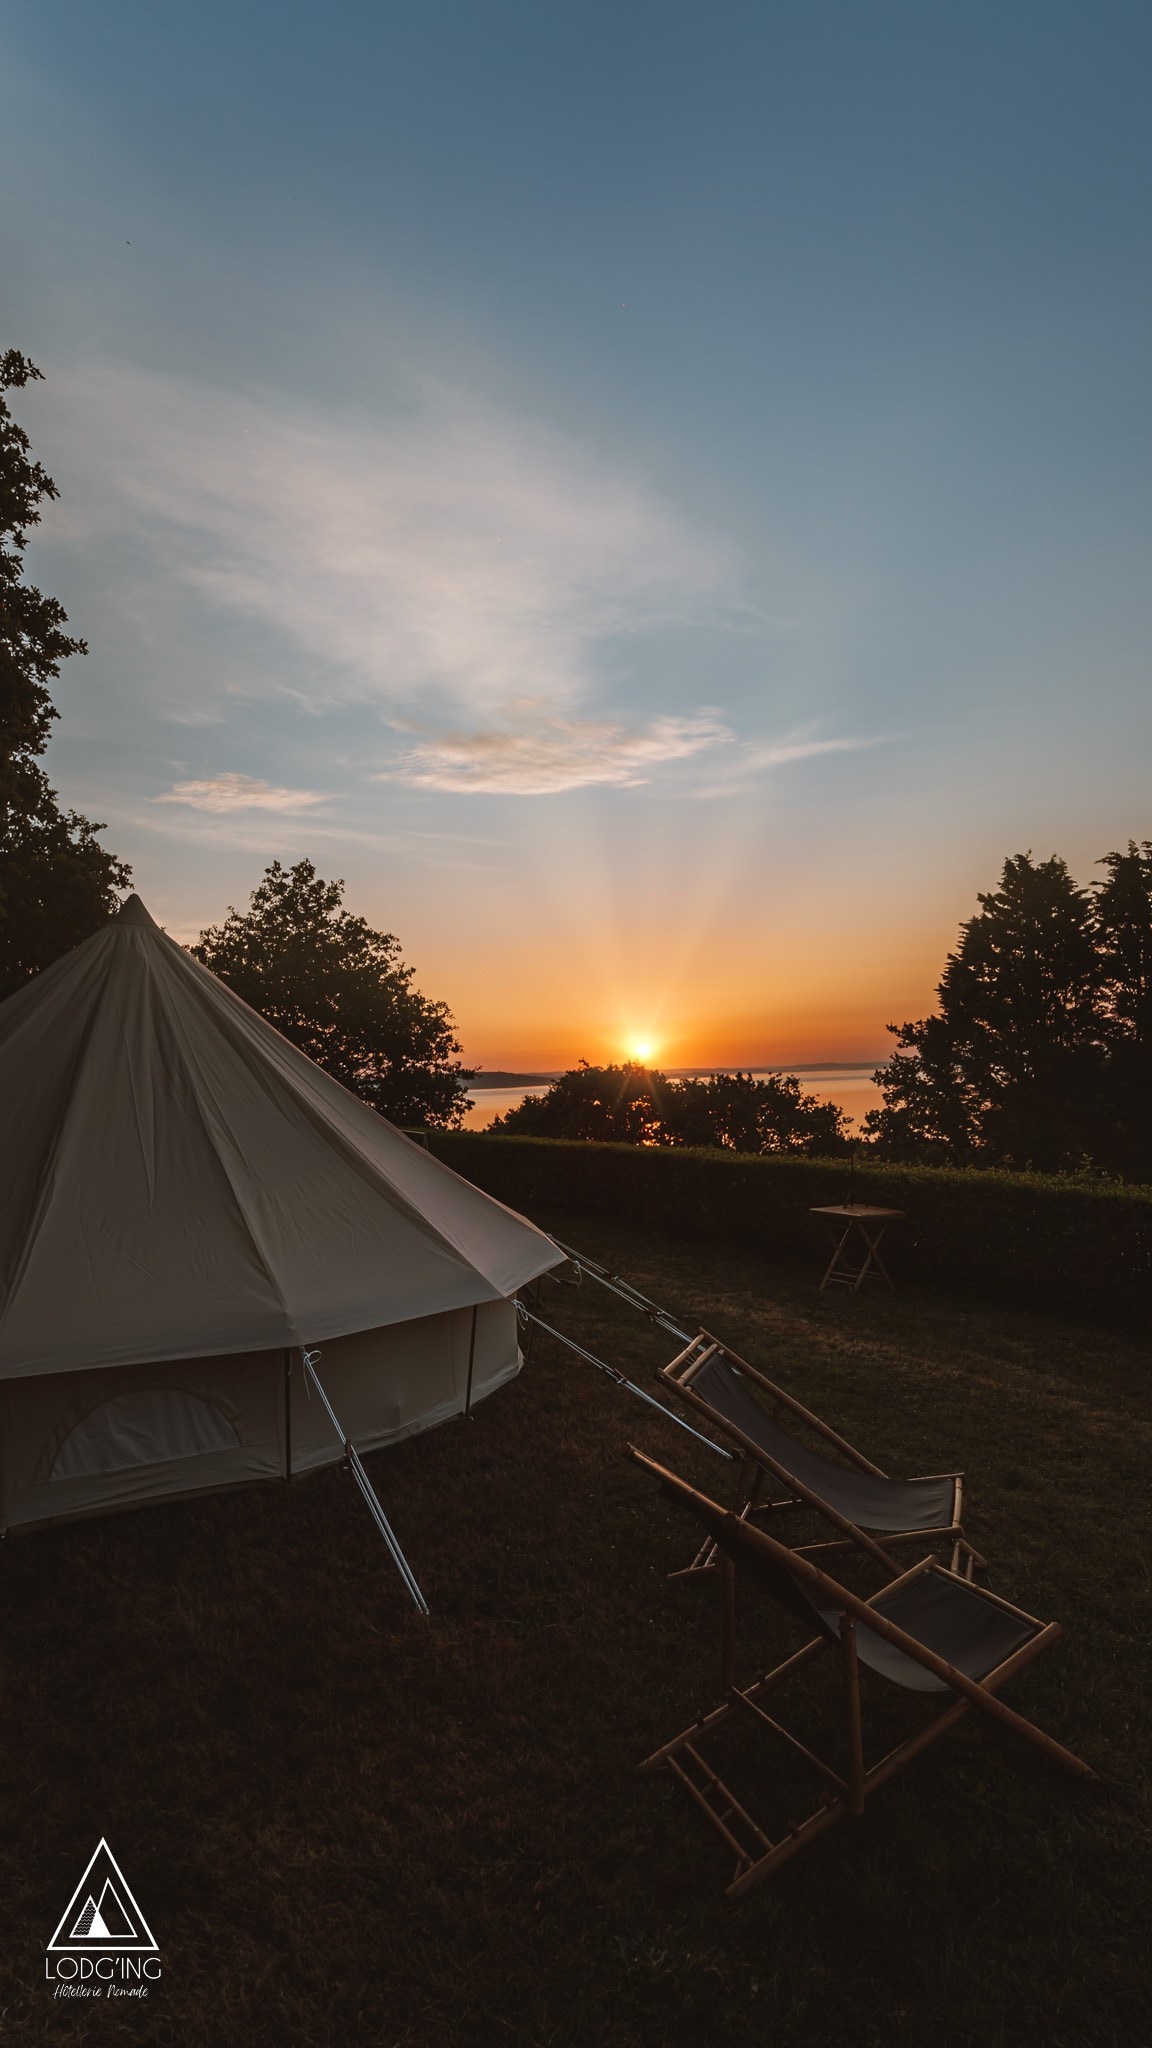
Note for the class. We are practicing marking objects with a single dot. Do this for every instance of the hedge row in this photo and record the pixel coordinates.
(1082, 1250)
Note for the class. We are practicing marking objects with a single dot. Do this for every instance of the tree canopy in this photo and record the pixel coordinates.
(341, 992)
(57, 883)
(638, 1105)
(1040, 1053)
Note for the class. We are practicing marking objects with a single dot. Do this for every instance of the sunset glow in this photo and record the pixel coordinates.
(663, 583)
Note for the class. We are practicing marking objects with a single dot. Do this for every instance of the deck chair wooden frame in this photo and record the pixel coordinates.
(819, 1483)
(856, 1631)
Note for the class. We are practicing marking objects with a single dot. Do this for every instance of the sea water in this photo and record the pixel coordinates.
(850, 1087)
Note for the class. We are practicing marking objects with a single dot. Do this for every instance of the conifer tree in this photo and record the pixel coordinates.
(1011, 1070)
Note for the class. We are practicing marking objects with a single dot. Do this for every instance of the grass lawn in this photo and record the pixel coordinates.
(347, 1825)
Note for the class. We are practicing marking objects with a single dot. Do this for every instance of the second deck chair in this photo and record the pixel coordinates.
(929, 1632)
(872, 1512)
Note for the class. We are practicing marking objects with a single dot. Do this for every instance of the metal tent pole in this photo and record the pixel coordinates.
(618, 1378)
(471, 1362)
(624, 1289)
(366, 1488)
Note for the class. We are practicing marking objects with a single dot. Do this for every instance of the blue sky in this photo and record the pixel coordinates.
(657, 497)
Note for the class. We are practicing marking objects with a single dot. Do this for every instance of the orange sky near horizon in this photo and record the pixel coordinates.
(772, 936)
(722, 982)
(541, 1013)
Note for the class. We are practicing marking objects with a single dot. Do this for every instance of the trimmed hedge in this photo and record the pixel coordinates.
(1032, 1240)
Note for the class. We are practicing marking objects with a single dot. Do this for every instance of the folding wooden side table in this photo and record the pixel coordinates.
(859, 1240)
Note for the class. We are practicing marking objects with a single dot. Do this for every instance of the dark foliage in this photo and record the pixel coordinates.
(745, 1115)
(1040, 1054)
(1123, 918)
(57, 883)
(638, 1105)
(1081, 1247)
(606, 1103)
(341, 992)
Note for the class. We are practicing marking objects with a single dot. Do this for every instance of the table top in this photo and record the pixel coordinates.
(857, 1211)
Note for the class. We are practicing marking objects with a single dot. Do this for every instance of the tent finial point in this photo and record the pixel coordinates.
(132, 911)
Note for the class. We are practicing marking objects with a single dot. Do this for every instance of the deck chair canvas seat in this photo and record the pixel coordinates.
(931, 1631)
(947, 1615)
(863, 1502)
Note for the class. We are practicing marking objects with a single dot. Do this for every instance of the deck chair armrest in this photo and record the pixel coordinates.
(894, 1585)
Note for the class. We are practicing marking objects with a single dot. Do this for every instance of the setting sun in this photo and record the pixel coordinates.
(643, 1049)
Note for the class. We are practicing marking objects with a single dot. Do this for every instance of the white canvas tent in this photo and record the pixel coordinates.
(185, 1202)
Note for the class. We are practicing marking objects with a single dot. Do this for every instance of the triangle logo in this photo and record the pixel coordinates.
(102, 1913)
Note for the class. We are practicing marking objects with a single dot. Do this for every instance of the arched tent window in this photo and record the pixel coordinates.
(147, 1426)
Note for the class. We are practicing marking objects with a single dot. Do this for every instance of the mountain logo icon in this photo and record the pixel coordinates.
(102, 1913)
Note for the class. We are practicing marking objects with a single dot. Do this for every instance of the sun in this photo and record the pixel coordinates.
(643, 1049)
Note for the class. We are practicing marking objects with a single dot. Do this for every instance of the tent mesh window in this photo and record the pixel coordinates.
(148, 1426)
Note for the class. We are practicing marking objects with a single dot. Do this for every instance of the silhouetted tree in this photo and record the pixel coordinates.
(57, 883)
(742, 1114)
(1123, 909)
(1012, 1068)
(1123, 914)
(341, 992)
(608, 1103)
(639, 1105)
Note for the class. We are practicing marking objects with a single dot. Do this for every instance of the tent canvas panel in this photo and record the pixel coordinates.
(82, 1443)
(180, 1181)
(388, 1384)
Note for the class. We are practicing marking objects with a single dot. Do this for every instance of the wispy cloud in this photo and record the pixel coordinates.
(776, 753)
(544, 754)
(443, 552)
(465, 577)
(757, 757)
(234, 792)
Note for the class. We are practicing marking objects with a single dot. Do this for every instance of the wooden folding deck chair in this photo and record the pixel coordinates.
(871, 1512)
(930, 1631)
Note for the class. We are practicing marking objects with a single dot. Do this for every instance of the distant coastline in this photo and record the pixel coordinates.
(499, 1078)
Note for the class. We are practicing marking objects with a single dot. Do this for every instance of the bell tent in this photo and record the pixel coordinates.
(188, 1202)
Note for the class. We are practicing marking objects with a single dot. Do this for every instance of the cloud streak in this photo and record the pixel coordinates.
(759, 757)
(234, 792)
(546, 755)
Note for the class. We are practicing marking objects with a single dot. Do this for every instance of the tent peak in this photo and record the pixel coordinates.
(132, 911)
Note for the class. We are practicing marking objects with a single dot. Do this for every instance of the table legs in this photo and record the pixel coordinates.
(841, 1273)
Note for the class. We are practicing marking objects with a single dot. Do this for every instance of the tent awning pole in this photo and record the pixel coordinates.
(367, 1489)
(618, 1378)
